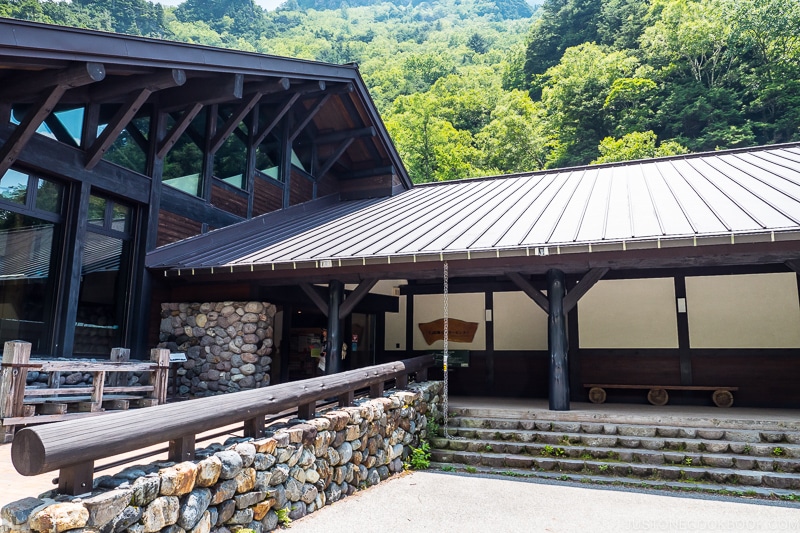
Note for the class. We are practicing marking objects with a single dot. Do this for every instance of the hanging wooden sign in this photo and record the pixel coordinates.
(457, 330)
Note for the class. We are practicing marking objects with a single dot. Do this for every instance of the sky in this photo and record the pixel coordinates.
(266, 4)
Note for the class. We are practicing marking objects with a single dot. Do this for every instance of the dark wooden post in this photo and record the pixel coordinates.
(333, 364)
(557, 341)
(182, 449)
(76, 479)
(12, 384)
(160, 356)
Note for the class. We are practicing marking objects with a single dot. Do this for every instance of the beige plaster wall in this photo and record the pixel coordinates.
(519, 324)
(747, 311)
(395, 337)
(470, 307)
(634, 313)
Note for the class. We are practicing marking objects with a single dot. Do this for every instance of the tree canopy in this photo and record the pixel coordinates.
(477, 87)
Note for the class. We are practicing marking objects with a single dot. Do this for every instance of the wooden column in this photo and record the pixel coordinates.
(12, 383)
(557, 341)
(333, 363)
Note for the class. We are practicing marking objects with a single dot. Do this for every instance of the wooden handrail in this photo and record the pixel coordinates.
(73, 446)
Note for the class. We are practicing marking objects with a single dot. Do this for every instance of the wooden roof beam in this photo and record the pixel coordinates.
(234, 120)
(260, 136)
(23, 87)
(533, 293)
(267, 87)
(370, 172)
(309, 117)
(301, 89)
(27, 128)
(178, 129)
(336, 136)
(121, 87)
(355, 297)
(334, 158)
(125, 114)
(222, 89)
(587, 282)
(315, 297)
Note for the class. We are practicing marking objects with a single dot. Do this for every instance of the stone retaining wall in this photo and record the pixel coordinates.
(247, 483)
(227, 345)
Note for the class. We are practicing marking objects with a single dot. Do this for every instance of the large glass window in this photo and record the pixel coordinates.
(183, 165)
(64, 124)
(105, 272)
(129, 149)
(230, 161)
(30, 229)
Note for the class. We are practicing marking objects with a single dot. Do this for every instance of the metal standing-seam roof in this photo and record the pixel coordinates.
(730, 194)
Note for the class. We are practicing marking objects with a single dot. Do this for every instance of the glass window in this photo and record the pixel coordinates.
(97, 211)
(129, 148)
(183, 164)
(48, 195)
(65, 124)
(230, 161)
(268, 157)
(14, 187)
(26, 253)
(105, 271)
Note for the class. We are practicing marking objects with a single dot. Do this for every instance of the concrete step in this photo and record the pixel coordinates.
(716, 418)
(739, 435)
(630, 438)
(598, 452)
(618, 469)
(693, 486)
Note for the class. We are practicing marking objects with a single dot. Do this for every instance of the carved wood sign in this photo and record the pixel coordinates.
(457, 330)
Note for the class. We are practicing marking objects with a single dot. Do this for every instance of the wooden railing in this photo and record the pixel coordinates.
(73, 446)
(21, 405)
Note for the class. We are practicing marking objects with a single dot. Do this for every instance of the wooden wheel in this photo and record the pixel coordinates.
(658, 396)
(597, 395)
(722, 398)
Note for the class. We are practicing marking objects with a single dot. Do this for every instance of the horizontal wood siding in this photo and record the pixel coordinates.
(229, 200)
(327, 185)
(172, 227)
(301, 189)
(268, 197)
(631, 367)
(766, 378)
(521, 374)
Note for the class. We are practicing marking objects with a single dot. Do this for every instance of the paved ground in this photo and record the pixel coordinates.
(443, 503)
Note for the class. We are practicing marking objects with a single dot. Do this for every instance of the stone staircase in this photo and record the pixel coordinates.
(740, 457)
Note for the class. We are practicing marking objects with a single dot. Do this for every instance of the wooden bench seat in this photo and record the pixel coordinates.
(658, 395)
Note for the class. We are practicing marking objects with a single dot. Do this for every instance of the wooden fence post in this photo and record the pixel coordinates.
(119, 355)
(14, 374)
(160, 356)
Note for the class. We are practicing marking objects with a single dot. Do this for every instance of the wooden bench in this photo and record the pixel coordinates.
(658, 395)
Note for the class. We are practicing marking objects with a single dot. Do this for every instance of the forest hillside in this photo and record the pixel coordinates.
(480, 87)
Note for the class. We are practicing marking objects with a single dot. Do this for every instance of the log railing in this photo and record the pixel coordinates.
(18, 403)
(73, 446)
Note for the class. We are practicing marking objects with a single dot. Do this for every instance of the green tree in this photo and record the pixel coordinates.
(575, 97)
(636, 145)
(516, 139)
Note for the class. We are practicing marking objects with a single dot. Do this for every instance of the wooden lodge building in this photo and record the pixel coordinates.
(135, 172)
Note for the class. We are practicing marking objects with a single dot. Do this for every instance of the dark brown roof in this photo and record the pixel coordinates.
(28, 49)
(730, 197)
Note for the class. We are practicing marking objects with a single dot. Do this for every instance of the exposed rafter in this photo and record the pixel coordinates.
(314, 87)
(309, 117)
(200, 91)
(355, 297)
(234, 120)
(330, 138)
(532, 292)
(340, 150)
(26, 87)
(587, 282)
(178, 129)
(117, 89)
(276, 119)
(315, 297)
(124, 115)
(267, 87)
(66, 79)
